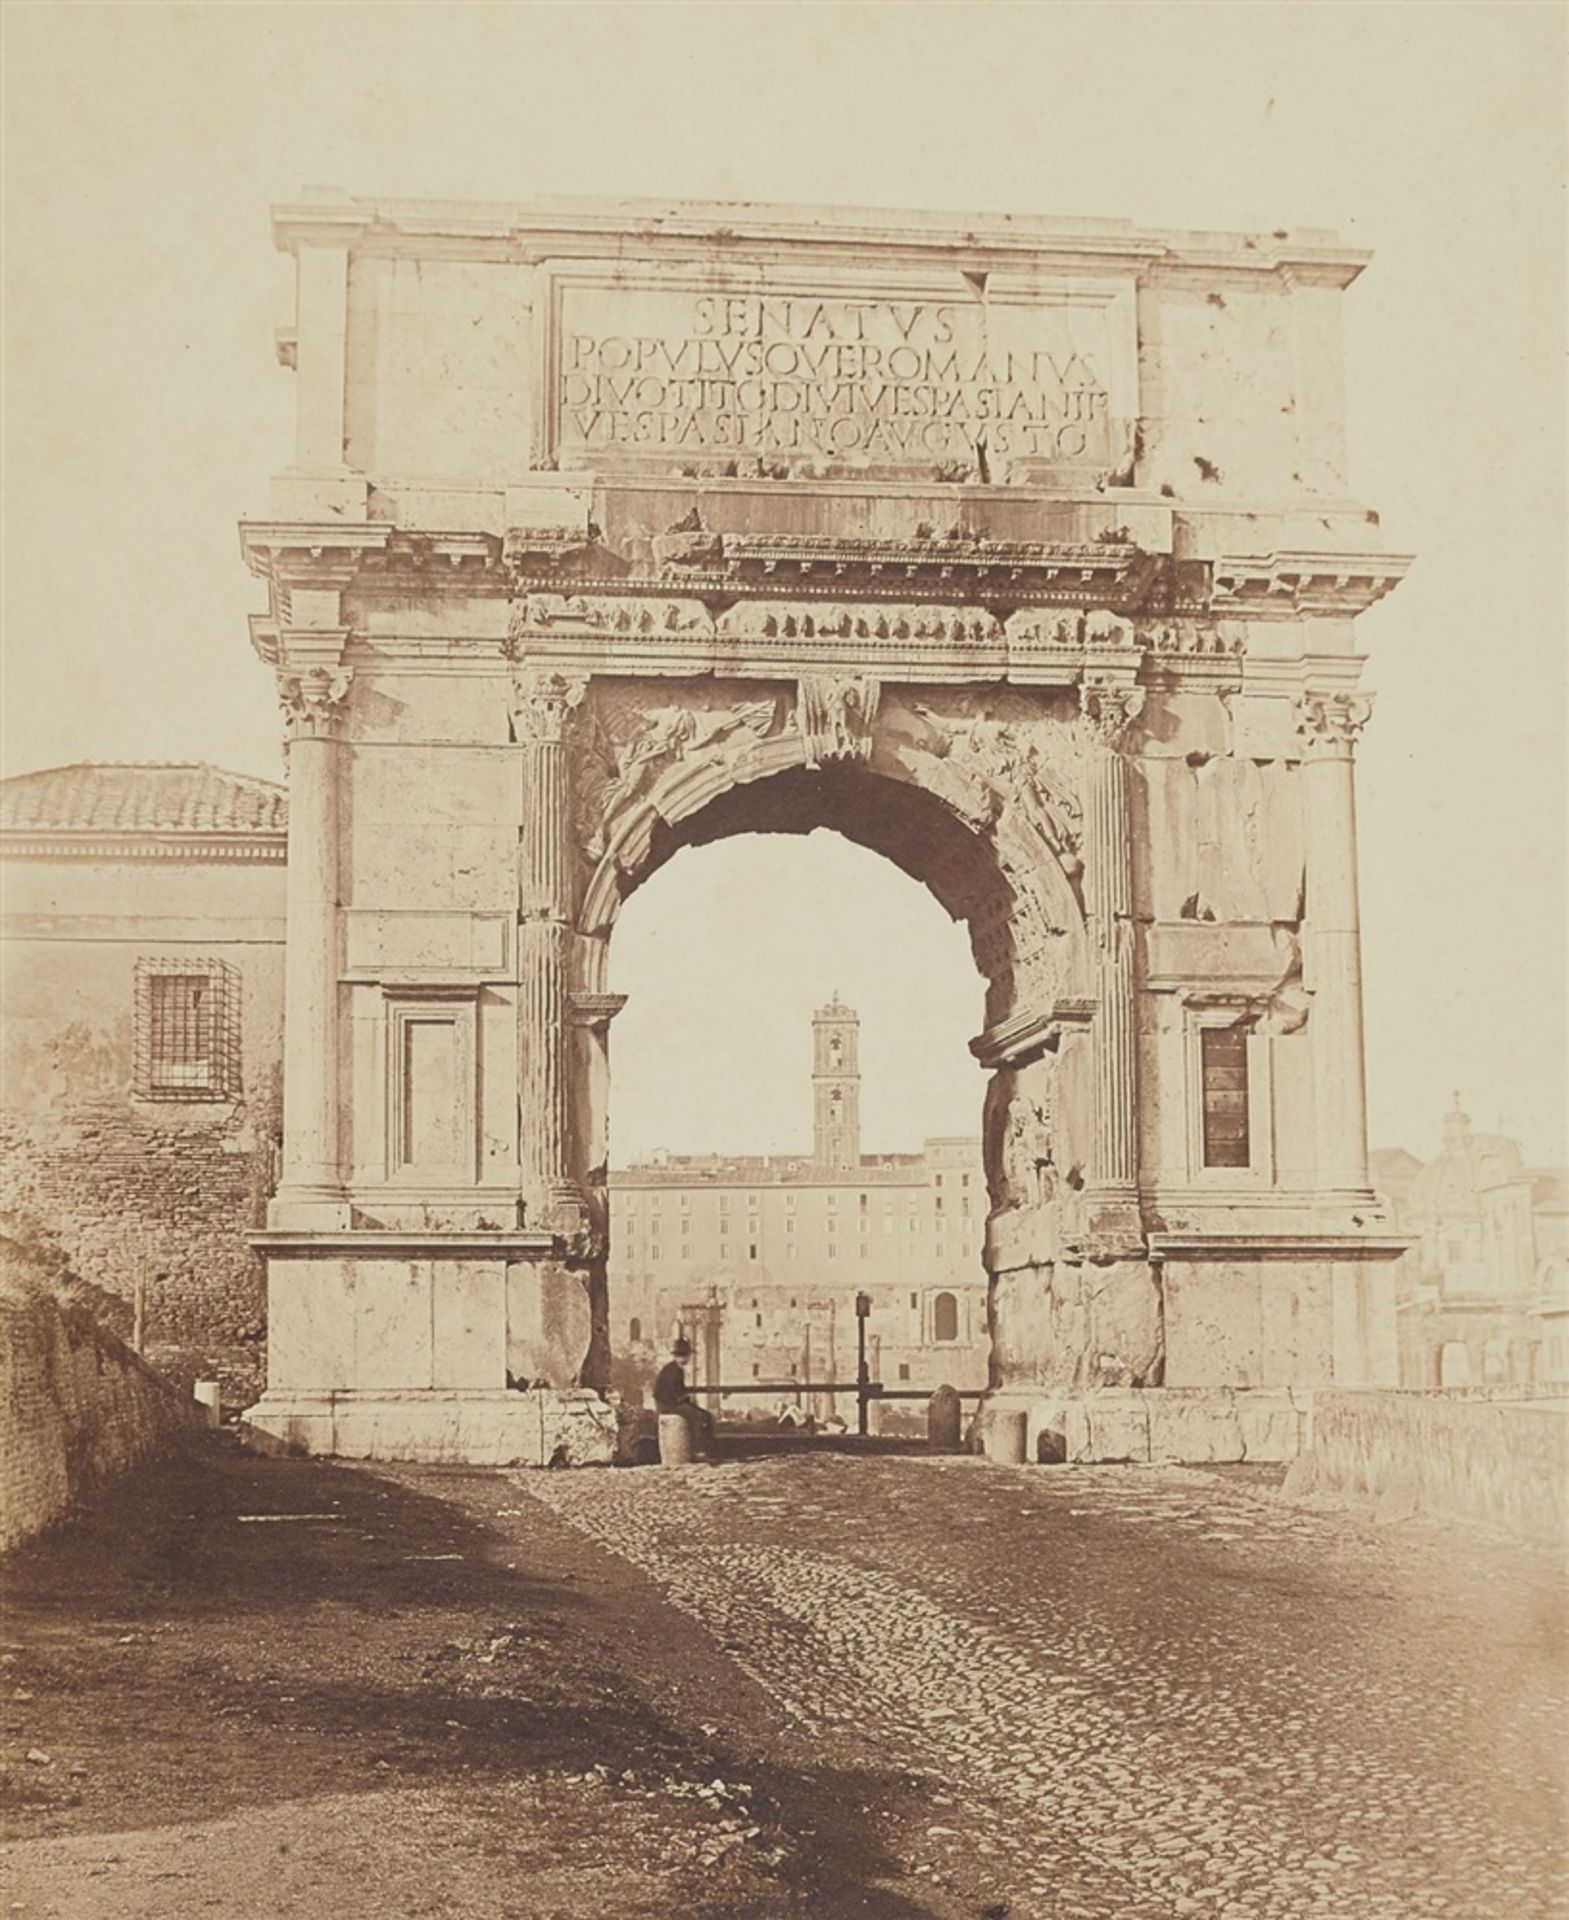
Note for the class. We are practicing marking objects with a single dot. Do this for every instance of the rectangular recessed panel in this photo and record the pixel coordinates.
(866, 370)
(1225, 1062)
(430, 1090)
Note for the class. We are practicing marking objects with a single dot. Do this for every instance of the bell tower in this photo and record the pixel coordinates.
(836, 1086)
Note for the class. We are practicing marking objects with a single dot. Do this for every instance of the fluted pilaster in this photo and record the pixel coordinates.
(1332, 937)
(1108, 884)
(541, 706)
(312, 703)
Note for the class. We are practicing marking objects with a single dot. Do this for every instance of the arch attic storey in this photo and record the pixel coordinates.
(1095, 685)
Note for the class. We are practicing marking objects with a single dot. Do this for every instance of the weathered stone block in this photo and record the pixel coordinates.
(390, 1301)
(1108, 1426)
(1448, 1456)
(1273, 1426)
(1213, 1335)
(540, 1428)
(1078, 1324)
(1194, 1428)
(549, 1323)
(469, 1324)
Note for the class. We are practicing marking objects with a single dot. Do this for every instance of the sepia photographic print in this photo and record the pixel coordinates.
(783, 1114)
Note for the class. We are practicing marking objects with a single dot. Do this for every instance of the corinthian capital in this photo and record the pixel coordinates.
(1109, 705)
(541, 701)
(312, 700)
(1330, 722)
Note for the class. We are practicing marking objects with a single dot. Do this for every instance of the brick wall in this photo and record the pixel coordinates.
(122, 1195)
(126, 1185)
(77, 1407)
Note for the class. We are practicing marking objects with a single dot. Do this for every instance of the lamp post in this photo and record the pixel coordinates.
(863, 1377)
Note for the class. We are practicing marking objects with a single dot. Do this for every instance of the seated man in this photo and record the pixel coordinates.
(671, 1396)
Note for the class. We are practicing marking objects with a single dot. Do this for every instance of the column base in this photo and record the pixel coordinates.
(1113, 1227)
(534, 1427)
(324, 1208)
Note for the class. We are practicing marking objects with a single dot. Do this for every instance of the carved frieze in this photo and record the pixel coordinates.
(629, 745)
(609, 614)
(869, 631)
(1195, 639)
(816, 620)
(1072, 629)
(1028, 1173)
(999, 754)
(835, 715)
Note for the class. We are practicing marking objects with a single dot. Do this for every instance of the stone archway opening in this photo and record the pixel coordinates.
(1023, 939)
(795, 1119)
(901, 823)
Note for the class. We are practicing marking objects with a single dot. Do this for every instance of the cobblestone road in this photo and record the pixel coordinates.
(1137, 1693)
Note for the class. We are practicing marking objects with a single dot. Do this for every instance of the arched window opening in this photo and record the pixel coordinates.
(945, 1317)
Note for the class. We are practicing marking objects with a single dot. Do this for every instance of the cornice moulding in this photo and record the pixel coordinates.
(140, 845)
(576, 228)
(1222, 1244)
(1015, 1041)
(263, 541)
(413, 1243)
(594, 1010)
(1292, 585)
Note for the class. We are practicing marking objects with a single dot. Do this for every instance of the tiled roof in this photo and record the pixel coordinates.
(181, 798)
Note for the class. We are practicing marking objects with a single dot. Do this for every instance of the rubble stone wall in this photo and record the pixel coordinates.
(77, 1407)
(122, 1194)
(1497, 1463)
(124, 1185)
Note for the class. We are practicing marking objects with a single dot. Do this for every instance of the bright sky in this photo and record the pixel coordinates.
(144, 412)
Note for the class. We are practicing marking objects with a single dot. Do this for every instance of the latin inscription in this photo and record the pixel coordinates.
(864, 381)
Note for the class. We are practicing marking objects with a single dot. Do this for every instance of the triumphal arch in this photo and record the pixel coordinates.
(1020, 551)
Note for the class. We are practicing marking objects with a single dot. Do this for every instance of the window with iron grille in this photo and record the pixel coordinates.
(187, 1029)
(1224, 1055)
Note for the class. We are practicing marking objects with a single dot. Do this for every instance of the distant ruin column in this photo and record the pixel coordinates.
(1108, 890)
(541, 704)
(312, 704)
(1332, 940)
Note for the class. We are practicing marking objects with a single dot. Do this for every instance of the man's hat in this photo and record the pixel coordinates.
(682, 1349)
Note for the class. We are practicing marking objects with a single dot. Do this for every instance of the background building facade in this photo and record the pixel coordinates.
(758, 1260)
(140, 1075)
(1483, 1289)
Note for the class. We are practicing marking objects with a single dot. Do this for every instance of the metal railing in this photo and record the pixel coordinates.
(863, 1386)
(865, 1391)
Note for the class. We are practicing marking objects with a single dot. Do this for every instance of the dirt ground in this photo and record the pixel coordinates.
(797, 1683)
(273, 1687)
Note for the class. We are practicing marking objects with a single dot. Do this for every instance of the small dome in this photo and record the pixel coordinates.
(1448, 1186)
